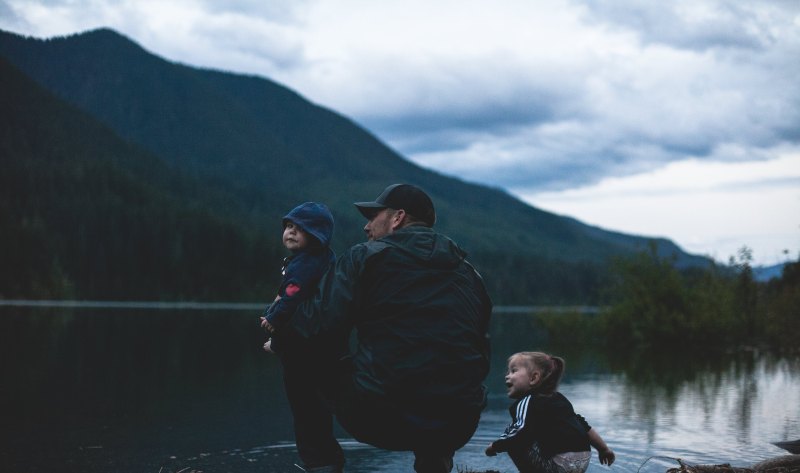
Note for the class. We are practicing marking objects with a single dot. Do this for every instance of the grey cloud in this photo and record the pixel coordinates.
(741, 97)
(480, 109)
(582, 154)
(723, 24)
(447, 129)
(5, 10)
(263, 43)
(538, 159)
(283, 11)
(584, 157)
(63, 2)
(552, 169)
(762, 185)
(614, 141)
(557, 172)
(7, 15)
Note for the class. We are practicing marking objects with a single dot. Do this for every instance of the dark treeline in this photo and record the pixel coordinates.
(85, 215)
(654, 305)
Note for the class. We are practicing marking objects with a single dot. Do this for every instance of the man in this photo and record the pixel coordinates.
(414, 380)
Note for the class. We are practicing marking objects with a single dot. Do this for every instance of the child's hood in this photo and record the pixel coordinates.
(314, 218)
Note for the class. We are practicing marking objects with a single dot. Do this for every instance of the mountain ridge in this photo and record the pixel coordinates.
(99, 217)
(261, 148)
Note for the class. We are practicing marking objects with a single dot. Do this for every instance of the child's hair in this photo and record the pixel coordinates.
(552, 368)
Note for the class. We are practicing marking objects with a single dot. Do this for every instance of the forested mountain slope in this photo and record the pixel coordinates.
(236, 152)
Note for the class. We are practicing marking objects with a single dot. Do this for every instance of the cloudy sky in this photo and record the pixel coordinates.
(678, 119)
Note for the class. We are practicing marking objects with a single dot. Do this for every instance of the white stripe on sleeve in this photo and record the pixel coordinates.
(519, 419)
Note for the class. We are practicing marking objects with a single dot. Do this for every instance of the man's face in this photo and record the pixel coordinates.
(382, 223)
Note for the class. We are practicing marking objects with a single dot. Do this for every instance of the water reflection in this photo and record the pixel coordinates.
(724, 395)
(156, 390)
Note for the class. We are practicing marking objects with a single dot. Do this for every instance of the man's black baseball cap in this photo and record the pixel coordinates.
(408, 197)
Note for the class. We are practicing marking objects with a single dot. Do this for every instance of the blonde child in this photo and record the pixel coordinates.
(545, 434)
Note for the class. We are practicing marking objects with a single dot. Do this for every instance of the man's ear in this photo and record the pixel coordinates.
(398, 219)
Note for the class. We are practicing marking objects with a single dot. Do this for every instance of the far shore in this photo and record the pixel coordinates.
(193, 305)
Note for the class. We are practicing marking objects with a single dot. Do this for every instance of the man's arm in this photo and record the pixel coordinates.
(331, 307)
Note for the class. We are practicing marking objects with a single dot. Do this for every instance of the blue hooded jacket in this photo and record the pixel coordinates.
(304, 268)
(315, 219)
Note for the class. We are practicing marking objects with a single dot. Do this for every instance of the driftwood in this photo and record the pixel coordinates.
(785, 463)
(781, 464)
(792, 446)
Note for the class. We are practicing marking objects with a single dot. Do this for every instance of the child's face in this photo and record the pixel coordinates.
(520, 379)
(294, 237)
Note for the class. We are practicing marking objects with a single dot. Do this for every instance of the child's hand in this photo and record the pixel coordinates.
(490, 451)
(268, 346)
(607, 456)
(266, 325)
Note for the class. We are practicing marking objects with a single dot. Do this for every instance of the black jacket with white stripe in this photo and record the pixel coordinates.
(548, 420)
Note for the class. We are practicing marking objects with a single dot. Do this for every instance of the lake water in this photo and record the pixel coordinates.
(142, 390)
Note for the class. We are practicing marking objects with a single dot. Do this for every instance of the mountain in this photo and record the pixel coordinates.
(233, 153)
(85, 214)
(765, 273)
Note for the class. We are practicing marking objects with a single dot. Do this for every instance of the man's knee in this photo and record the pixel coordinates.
(392, 429)
(325, 469)
(429, 462)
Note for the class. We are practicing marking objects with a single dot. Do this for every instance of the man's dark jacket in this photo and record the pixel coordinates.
(421, 314)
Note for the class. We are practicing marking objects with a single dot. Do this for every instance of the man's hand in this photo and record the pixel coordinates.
(268, 346)
(490, 451)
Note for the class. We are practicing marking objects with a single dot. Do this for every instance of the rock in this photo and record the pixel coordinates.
(782, 464)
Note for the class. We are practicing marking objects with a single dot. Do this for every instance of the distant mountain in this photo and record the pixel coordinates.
(229, 153)
(765, 273)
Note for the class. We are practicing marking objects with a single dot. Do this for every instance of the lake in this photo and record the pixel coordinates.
(92, 389)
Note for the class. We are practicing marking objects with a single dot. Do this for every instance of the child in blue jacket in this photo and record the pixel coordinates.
(307, 233)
